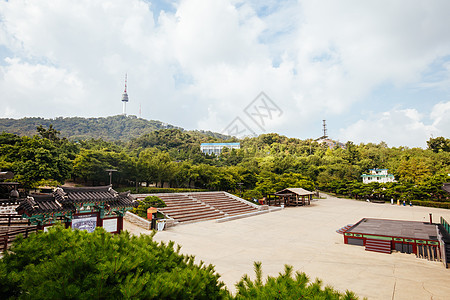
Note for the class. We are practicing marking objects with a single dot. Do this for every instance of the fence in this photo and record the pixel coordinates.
(444, 239)
(445, 224)
(7, 238)
(8, 220)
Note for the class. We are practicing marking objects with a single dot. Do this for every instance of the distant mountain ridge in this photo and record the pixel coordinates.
(111, 128)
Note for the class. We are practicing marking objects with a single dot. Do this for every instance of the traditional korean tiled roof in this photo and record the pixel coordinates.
(86, 194)
(65, 199)
(41, 204)
(123, 200)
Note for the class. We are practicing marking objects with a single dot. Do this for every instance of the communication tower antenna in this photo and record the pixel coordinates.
(125, 97)
(324, 129)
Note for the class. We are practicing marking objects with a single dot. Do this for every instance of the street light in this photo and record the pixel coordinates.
(110, 171)
(240, 189)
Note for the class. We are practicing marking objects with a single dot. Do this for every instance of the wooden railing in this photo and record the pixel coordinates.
(7, 238)
(8, 220)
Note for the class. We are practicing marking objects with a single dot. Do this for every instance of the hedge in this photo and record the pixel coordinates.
(155, 190)
(431, 204)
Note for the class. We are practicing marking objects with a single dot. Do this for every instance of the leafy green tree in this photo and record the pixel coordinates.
(51, 133)
(34, 159)
(413, 169)
(74, 264)
(439, 144)
(90, 165)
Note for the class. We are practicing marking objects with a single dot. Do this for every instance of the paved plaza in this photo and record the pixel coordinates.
(306, 238)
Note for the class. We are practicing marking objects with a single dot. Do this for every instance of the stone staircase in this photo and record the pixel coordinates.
(201, 206)
(225, 203)
(183, 208)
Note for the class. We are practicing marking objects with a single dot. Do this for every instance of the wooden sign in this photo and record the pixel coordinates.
(152, 210)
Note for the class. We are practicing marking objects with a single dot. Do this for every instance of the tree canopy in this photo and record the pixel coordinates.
(171, 157)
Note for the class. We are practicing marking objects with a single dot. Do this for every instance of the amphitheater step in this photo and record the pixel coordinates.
(175, 212)
(202, 206)
(203, 216)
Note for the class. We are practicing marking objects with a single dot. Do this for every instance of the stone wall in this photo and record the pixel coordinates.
(258, 207)
(144, 223)
(8, 209)
(135, 219)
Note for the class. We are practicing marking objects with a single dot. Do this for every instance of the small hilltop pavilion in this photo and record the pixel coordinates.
(292, 197)
(83, 208)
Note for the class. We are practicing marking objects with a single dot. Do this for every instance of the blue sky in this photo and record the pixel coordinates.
(375, 70)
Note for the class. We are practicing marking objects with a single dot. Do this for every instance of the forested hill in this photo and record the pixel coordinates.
(76, 128)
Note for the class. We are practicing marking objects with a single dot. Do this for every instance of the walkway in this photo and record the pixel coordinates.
(306, 238)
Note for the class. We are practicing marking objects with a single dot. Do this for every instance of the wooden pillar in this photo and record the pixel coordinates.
(119, 224)
(99, 220)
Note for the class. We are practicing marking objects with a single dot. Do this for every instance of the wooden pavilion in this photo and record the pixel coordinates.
(81, 208)
(293, 197)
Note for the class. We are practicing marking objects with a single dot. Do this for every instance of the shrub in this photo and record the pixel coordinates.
(149, 201)
(74, 264)
(285, 286)
(431, 204)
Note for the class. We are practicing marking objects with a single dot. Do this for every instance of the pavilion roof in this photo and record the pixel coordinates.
(66, 199)
(297, 191)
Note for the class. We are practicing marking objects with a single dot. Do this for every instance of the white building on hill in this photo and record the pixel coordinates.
(378, 175)
(216, 148)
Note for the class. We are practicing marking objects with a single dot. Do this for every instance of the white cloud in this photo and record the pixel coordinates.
(199, 65)
(50, 86)
(400, 127)
(441, 118)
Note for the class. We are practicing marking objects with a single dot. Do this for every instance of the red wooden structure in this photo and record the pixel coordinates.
(82, 208)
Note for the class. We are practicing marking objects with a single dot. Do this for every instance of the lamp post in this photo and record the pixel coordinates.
(110, 171)
(240, 189)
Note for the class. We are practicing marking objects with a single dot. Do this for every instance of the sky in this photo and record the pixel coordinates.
(374, 70)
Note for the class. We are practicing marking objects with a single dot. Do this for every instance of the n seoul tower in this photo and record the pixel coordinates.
(125, 97)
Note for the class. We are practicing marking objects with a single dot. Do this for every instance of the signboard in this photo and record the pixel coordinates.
(85, 222)
(152, 210)
(110, 225)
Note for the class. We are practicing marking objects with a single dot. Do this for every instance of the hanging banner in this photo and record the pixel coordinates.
(85, 222)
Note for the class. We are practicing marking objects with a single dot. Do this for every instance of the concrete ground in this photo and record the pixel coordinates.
(306, 238)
